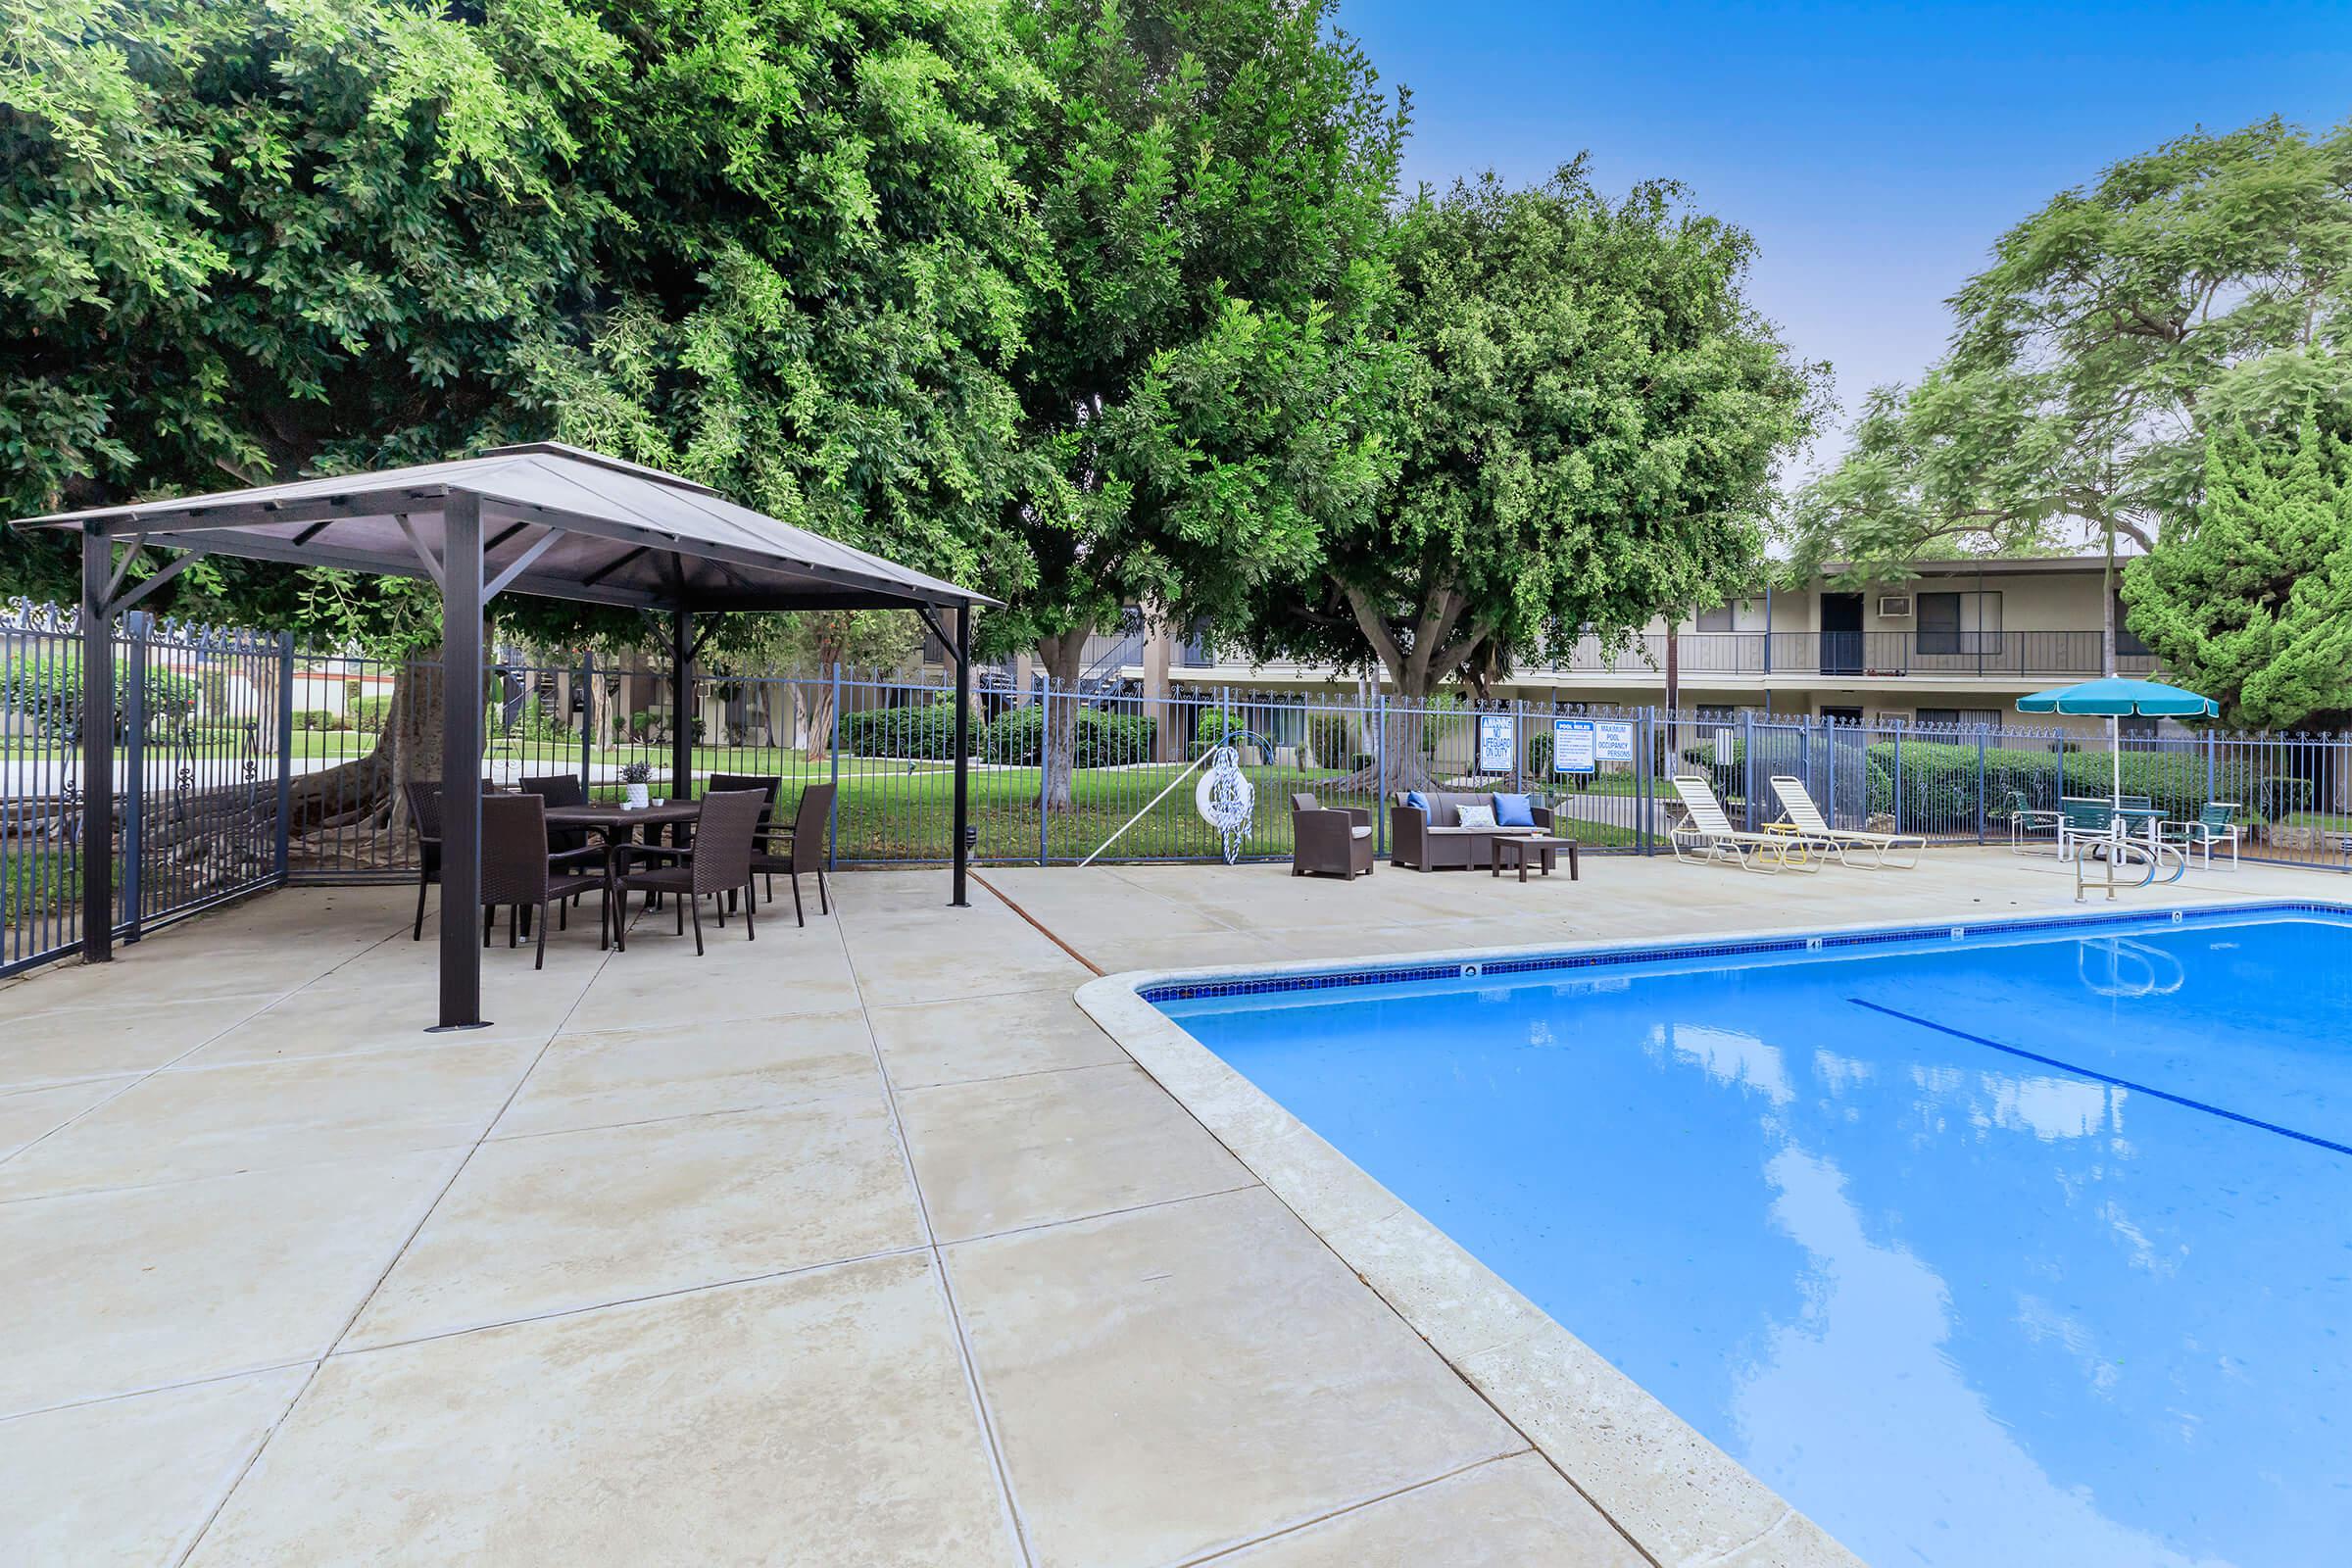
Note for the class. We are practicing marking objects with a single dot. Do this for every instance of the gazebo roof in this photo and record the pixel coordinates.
(557, 521)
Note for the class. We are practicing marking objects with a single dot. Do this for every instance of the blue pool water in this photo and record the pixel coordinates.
(2023, 1249)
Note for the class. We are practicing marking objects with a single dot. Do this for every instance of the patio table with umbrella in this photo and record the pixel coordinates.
(2115, 698)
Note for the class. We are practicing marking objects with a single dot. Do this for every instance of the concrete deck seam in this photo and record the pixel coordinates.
(552, 1314)
(1103, 1213)
(974, 1388)
(196, 1539)
(1344, 1509)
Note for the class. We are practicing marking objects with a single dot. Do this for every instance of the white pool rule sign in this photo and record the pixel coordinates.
(1613, 741)
(1572, 745)
(1495, 743)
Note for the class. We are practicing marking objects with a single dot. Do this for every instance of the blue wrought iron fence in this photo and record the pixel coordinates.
(201, 774)
(244, 763)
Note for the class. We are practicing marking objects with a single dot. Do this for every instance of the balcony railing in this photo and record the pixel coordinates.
(2002, 654)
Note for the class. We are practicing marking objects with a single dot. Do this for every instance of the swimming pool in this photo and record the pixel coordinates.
(2032, 1245)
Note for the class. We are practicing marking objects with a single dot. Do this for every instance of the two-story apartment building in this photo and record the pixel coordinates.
(1958, 642)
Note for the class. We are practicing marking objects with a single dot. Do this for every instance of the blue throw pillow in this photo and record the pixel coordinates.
(1514, 810)
(1418, 801)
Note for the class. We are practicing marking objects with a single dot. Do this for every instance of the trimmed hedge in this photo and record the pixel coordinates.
(47, 693)
(1939, 782)
(925, 732)
(1017, 737)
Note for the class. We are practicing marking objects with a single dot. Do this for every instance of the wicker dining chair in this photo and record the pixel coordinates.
(767, 785)
(803, 848)
(519, 873)
(718, 864)
(424, 796)
(560, 789)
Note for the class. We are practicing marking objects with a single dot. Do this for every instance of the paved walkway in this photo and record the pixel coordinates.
(857, 1245)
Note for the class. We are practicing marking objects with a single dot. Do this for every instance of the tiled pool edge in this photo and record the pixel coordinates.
(1259, 979)
(1681, 1499)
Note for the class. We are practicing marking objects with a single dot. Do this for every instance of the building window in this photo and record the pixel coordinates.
(2127, 642)
(1960, 718)
(1959, 623)
(1717, 620)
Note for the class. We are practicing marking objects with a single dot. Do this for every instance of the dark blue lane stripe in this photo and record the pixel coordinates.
(2105, 1078)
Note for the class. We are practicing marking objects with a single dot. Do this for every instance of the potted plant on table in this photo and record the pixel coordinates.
(633, 777)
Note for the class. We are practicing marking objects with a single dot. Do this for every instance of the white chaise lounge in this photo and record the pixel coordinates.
(1807, 819)
(1705, 834)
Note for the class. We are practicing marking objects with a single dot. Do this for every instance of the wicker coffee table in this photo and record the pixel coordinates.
(1522, 846)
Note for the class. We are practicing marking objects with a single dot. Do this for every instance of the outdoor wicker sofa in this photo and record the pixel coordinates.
(1435, 840)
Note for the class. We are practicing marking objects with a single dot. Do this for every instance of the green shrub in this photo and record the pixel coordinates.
(927, 732)
(1327, 738)
(1016, 738)
(1211, 728)
(1939, 782)
(47, 693)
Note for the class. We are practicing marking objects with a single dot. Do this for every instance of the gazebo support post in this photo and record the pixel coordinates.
(681, 723)
(963, 747)
(461, 761)
(97, 749)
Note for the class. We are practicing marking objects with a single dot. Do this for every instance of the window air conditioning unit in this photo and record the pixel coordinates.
(1894, 606)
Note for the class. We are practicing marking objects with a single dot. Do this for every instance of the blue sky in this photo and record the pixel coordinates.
(1875, 151)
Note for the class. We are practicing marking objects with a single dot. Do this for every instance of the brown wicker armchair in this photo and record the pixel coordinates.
(560, 789)
(718, 864)
(1330, 841)
(517, 871)
(765, 785)
(803, 848)
(424, 796)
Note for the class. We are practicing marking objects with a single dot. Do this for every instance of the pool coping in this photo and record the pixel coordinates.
(1682, 1500)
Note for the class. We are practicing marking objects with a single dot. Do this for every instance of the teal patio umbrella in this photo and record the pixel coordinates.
(2114, 697)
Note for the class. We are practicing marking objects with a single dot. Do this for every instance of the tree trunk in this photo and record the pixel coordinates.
(366, 790)
(1399, 763)
(832, 643)
(817, 743)
(1062, 658)
(2107, 607)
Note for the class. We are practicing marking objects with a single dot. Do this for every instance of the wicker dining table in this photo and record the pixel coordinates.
(618, 824)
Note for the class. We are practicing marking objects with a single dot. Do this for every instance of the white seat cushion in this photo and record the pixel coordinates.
(1359, 831)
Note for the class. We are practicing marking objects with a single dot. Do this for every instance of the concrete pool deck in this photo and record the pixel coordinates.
(860, 1244)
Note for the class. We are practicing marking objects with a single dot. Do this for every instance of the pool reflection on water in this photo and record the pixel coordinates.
(1959, 1304)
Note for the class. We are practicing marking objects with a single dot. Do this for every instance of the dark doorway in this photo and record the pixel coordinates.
(1841, 634)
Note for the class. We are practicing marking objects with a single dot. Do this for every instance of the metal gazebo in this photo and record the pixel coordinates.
(545, 519)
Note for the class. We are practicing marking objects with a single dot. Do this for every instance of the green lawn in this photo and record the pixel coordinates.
(895, 811)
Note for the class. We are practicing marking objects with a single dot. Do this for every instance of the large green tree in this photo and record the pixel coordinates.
(1583, 432)
(2247, 596)
(2089, 358)
(776, 245)
(1212, 175)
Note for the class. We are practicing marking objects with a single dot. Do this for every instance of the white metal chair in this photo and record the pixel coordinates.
(2216, 824)
(1705, 835)
(1813, 826)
